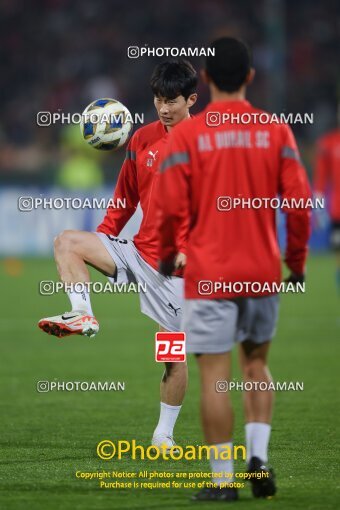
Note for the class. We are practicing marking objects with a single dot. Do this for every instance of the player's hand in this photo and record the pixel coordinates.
(295, 278)
(180, 260)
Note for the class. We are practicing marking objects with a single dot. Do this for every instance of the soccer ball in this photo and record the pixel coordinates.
(106, 124)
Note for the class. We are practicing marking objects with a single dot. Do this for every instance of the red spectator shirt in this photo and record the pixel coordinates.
(137, 182)
(203, 163)
(327, 170)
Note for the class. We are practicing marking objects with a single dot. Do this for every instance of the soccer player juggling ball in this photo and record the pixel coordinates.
(174, 86)
(203, 163)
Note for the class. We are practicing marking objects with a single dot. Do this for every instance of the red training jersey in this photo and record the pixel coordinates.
(202, 164)
(137, 182)
(327, 170)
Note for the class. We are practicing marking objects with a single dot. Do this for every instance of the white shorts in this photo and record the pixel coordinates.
(163, 299)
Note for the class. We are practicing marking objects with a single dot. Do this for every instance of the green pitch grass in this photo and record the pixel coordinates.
(47, 437)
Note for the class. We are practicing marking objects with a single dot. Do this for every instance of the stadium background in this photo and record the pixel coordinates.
(60, 55)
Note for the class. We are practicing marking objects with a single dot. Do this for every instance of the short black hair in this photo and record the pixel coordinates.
(230, 65)
(174, 78)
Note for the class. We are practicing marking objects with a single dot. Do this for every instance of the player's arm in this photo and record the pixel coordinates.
(321, 180)
(173, 201)
(294, 186)
(126, 189)
(321, 170)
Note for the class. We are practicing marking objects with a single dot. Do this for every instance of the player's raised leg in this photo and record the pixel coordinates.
(73, 250)
(258, 406)
(172, 389)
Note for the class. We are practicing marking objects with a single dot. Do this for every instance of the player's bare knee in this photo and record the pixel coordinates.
(255, 369)
(64, 242)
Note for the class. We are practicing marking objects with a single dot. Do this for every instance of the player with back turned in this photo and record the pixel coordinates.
(202, 164)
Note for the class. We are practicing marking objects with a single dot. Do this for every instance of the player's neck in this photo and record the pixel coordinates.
(219, 95)
(169, 128)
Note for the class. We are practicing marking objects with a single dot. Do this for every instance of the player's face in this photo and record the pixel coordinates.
(173, 111)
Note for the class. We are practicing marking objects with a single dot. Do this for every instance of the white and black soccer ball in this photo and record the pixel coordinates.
(106, 124)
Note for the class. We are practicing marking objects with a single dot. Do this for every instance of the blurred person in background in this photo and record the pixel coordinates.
(327, 183)
(80, 168)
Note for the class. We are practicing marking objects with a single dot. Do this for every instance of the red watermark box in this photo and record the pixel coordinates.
(170, 346)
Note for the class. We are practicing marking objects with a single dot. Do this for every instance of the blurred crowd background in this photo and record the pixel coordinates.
(59, 55)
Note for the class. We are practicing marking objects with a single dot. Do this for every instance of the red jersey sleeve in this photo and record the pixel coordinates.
(294, 186)
(174, 183)
(322, 167)
(126, 188)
